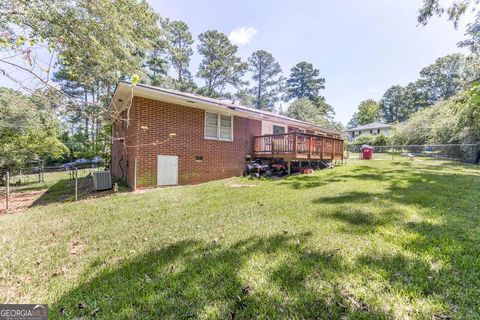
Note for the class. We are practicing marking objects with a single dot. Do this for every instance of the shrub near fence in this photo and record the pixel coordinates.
(469, 153)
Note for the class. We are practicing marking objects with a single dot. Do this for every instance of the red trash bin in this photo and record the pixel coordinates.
(367, 152)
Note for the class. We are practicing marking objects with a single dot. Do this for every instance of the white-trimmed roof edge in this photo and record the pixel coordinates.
(125, 91)
(368, 126)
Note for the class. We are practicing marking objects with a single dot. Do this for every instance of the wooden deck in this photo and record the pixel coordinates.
(298, 146)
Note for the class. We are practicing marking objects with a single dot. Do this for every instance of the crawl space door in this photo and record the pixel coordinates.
(167, 170)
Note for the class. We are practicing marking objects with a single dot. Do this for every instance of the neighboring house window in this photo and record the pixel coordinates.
(353, 134)
(378, 131)
(218, 126)
(278, 129)
(371, 131)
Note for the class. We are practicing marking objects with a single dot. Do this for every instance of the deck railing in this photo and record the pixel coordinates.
(296, 145)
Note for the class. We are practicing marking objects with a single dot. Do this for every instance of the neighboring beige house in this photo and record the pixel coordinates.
(371, 128)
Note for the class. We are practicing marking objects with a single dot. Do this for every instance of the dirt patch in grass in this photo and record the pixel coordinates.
(21, 201)
(60, 192)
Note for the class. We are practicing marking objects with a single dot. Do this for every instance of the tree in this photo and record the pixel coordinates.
(455, 11)
(266, 73)
(467, 108)
(368, 112)
(392, 105)
(353, 121)
(93, 45)
(180, 50)
(381, 140)
(323, 108)
(244, 97)
(304, 82)
(444, 78)
(305, 110)
(156, 63)
(428, 126)
(365, 139)
(28, 131)
(415, 97)
(473, 32)
(372, 139)
(220, 66)
(91, 39)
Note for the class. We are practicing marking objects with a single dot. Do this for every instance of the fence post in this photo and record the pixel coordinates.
(76, 185)
(7, 204)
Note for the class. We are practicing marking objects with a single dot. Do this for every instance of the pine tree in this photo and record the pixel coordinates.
(220, 66)
(266, 73)
(304, 82)
(180, 50)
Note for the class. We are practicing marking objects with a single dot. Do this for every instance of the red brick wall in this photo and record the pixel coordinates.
(221, 159)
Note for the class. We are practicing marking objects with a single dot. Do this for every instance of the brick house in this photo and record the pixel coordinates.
(166, 137)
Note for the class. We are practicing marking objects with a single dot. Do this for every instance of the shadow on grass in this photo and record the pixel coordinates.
(271, 277)
(362, 172)
(447, 234)
(192, 279)
(64, 191)
(307, 181)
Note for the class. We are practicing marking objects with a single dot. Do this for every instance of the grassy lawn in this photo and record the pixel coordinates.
(369, 240)
(27, 191)
(50, 179)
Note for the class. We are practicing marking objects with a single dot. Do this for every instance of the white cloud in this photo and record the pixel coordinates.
(243, 35)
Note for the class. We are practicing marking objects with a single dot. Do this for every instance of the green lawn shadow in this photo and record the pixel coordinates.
(185, 279)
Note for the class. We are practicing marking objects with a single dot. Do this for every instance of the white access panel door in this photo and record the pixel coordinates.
(167, 170)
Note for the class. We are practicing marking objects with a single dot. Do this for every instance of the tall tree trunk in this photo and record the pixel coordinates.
(259, 91)
(85, 93)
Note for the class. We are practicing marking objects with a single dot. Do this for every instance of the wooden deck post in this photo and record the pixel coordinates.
(323, 148)
(271, 145)
(294, 144)
(289, 166)
(310, 151)
(333, 153)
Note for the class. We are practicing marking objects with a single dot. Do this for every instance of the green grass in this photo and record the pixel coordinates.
(30, 182)
(59, 186)
(369, 240)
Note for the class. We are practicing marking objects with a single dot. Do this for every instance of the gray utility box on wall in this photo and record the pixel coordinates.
(102, 180)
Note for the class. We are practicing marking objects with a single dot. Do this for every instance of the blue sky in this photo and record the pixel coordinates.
(361, 47)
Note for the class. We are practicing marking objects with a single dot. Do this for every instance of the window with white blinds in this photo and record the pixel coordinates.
(218, 126)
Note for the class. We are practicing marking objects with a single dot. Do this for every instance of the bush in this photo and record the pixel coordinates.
(365, 139)
(439, 124)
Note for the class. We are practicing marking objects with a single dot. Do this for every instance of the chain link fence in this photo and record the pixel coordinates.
(37, 185)
(469, 153)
